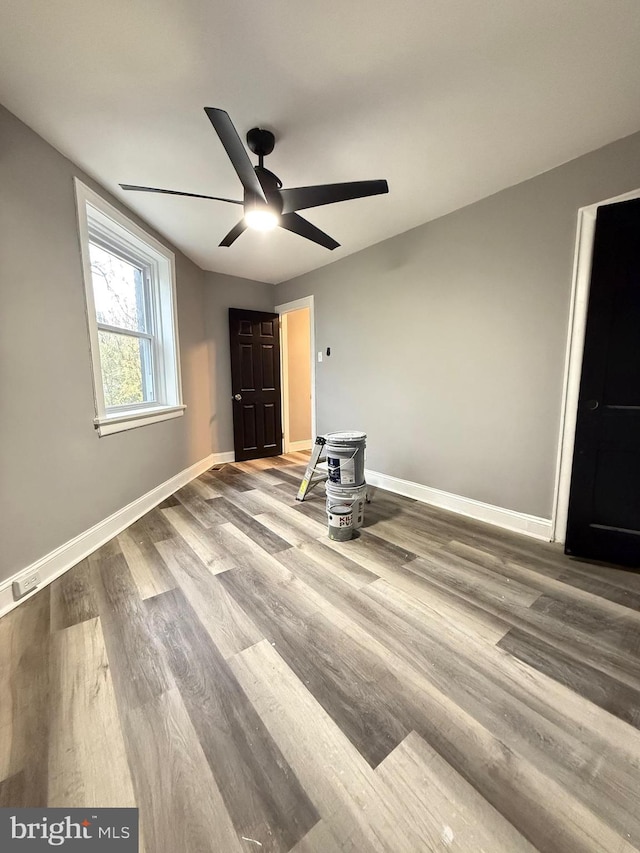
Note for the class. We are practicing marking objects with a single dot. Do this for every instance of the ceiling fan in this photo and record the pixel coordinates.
(266, 203)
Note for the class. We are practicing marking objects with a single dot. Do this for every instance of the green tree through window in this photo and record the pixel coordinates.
(123, 328)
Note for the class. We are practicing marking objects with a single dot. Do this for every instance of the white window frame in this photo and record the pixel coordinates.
(104, 224)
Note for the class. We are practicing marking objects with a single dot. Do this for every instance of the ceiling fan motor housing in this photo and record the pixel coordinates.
(271, 185)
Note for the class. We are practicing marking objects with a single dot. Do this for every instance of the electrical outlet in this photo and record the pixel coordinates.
(25, 584)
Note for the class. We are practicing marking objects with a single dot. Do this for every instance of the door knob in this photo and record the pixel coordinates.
(593, 405)
(237, 397)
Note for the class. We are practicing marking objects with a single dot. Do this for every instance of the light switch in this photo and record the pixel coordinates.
(320, 356)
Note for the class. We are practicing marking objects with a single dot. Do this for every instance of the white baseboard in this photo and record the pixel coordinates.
(296, 446)
(58, 561)
(520, 522)
(221, 458)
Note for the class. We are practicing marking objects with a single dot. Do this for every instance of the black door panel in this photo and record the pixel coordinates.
(604, 503)
(255, 379)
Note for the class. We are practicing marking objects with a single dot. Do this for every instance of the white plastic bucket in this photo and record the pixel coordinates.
(345, 457)
(355, 496)
(340, 522)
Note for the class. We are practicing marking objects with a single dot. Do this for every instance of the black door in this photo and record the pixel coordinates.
(255, 383)
(604, 503)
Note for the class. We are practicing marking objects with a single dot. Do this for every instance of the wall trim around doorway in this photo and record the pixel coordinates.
(578, 307)
(286, 308)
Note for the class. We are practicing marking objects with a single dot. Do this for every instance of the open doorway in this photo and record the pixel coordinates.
(298, 374)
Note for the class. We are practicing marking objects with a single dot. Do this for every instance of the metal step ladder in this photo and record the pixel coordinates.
(316, 469)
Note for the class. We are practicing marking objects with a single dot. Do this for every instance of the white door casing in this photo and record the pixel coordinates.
(285, 308)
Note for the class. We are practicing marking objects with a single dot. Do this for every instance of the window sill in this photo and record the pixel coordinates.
(109, 424)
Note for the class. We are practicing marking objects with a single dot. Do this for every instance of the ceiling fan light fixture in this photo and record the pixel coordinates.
(261, 219)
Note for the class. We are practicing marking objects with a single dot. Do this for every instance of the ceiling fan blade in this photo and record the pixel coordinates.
(236, 151)
(176, 192)
(235, 232)
(295, 223)
(300, 198)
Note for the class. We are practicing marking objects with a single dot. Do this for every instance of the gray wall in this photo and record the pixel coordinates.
(57, 477)
(221, 293)
(448, 341)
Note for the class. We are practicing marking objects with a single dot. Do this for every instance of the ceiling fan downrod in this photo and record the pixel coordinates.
(260, 142)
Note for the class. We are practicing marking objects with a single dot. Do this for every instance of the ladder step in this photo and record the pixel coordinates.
(315, 464)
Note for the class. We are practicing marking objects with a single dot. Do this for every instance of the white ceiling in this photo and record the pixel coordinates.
(449, 100)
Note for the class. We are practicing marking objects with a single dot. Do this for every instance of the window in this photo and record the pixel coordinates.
(130, 295)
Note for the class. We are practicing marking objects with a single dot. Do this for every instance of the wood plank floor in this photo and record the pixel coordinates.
(436, 684)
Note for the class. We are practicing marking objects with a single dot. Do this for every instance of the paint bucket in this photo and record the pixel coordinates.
(345, 457)
(354, 496)
(340, 522)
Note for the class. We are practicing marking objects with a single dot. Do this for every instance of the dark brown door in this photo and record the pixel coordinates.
(604, 503)
(255, 383)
